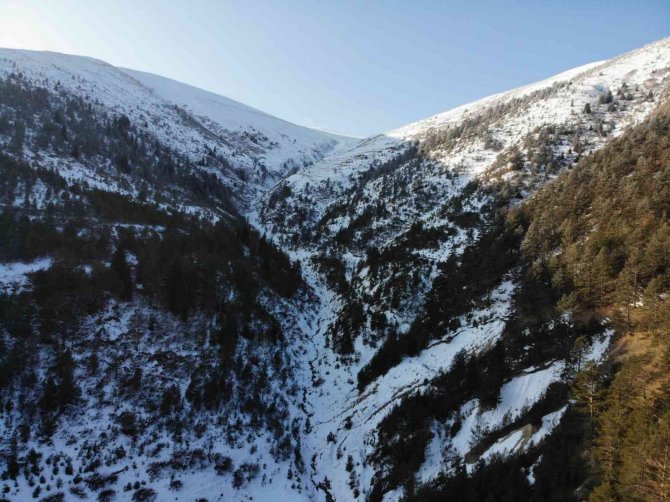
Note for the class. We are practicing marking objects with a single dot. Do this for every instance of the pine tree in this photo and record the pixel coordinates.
(171, 400)
(627, 293)
(576, 357)
(602, 273)
(122, 270)
(49, 401)
(620, 404)
(606, 98)
(13, 459)
(653, 301)
(516, 158)
(68, 391)
(587, 389)
(18, 138)
(656, 462)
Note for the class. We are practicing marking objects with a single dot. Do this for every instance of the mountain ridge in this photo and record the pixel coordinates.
(259, 147)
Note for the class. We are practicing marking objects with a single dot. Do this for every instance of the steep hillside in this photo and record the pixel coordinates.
(277, 145)
(247, 149)
(405, 236)
(201, 301)
(143, 322)
(601, 233)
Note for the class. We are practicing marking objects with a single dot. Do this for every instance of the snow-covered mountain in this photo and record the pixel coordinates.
(386, 225)
(290, 145)
(402, 341)
(470, 137)
(258, 148)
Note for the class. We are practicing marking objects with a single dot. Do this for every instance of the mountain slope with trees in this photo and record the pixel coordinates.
(128, 323)
(596, 240)
(407, 236)
(195, 304)
(601, 232)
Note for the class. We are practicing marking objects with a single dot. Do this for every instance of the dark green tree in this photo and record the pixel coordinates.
(123, 273)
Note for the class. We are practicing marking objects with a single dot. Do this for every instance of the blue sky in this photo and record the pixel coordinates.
(347, 66)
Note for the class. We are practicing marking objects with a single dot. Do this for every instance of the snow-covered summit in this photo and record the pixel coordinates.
(509, 117)
(633, 67)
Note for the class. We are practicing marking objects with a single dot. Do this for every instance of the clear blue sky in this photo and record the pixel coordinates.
(348, 66)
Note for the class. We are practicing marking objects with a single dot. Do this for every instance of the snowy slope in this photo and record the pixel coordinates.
(634, 67)
(189, 120)
(459, 113)
(375, 225)
(227, 117)
(644, 68)
(376, 195)
(332, 196)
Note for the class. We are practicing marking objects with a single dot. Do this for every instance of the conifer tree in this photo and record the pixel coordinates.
(123, 273)
(68, 391)
(18, 138)
(587, 389)
(656, 462)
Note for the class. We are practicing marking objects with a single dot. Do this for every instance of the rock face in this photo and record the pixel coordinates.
(268, 311)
